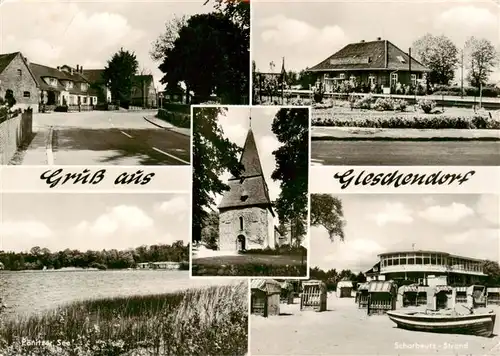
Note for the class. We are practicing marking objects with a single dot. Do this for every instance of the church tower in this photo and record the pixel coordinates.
(246, 217)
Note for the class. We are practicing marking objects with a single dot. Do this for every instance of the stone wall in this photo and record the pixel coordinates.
(255, 228)
(19, 83)
(13, 133)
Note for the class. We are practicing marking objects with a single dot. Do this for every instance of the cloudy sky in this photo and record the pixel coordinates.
(92, 221)
(88, 32)
(466, 225)
(305, 33)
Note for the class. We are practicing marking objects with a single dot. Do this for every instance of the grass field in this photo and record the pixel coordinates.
(211, 321)
(251, 265)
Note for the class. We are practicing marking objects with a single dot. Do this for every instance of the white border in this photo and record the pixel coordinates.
(249, 278)
(250, 54)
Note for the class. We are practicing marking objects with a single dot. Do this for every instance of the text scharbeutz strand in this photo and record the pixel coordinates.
(397, 179)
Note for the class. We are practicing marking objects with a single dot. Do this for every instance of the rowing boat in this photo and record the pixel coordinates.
(473, 324)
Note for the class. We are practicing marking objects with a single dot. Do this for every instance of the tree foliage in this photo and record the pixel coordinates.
(210, 230)
(213, 154)
(440, 55)
(167, 39)
(332, 276)
(236, 10)
(211, 57)
(481, 57)
(492, 269)
(327, 211)
(291, 127)
(38, 258)
(119, 73)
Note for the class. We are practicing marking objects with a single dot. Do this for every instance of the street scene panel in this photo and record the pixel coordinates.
(390, 274)
(116, 87)
(75, 279)
(419, 89)
(250, 191)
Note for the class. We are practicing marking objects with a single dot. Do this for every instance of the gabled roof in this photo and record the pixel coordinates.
(40, 71)
(374, 270)
(380, 54)
(250, 188)
(94, 76)
(5, 60)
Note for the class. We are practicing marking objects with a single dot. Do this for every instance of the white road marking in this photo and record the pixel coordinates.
(126, 134)
(169, 155)
(48, 148)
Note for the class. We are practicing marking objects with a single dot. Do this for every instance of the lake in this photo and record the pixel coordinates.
(37, 291)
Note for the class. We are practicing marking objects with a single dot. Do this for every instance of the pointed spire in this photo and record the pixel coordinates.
(250, 157)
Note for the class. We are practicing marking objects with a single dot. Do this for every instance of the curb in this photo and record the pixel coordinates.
(416, 139)
(48, 147)
(165, 128)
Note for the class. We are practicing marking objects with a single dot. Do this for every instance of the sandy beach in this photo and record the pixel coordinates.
(346, 330)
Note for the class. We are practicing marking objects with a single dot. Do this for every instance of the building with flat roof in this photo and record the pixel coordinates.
(428, 268)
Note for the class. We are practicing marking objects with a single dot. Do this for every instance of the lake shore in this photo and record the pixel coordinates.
(346, 330)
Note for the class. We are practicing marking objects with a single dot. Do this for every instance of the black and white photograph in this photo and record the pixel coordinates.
(391, 274)
(250, 191)
(108, 274)
(390, 83)
(111, 82)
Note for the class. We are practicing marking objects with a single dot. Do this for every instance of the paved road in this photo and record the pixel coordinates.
(99, 137)
(406, 153)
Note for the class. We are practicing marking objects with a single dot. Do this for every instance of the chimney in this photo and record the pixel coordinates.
(81, 69)
(77, 68)
(379, 38)
(71, 70)
(58, 68)
(386, 54)
(362, 41)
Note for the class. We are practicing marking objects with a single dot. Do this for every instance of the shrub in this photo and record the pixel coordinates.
(249, 270)
(412, 122)
(318, 97)
(384, 104)
(400, 105)
(61, 108)
(175, 107)
(426, 105)
(175, 118)
(281, 250)
(364, 102)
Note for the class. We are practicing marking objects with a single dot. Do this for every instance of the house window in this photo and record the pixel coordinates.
(85, 100)
(401, 59)
(241, 223)
(19, 72)
(342, 76)
(84, 86)
(394, 78)
(414, 79)
(26, 94)
(372, 80)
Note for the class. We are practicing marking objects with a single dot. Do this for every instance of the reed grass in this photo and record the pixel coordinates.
(210, 321)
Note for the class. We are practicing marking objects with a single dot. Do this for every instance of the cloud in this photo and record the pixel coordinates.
(480, 22)
(477, 242)
(299, 41)
(24, 229)
(176, 206)
(122, 217)
(393, 213)
(488, 207)
(450, 214)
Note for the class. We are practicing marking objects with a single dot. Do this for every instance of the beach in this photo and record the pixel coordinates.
(346, 330)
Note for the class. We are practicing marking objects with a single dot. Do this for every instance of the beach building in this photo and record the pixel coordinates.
(246, 215)
(369, 64)
(432, 268)
(265, 297)
(344, 289)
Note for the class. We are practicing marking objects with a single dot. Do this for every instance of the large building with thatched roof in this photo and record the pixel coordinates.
(369, 63)
(246, 216)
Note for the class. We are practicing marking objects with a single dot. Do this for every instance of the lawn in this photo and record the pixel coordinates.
(211, 321)
(251, 265)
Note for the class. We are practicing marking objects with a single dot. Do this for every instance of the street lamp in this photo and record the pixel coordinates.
(160, 96)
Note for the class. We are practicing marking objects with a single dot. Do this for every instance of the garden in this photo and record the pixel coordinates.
(369, 111)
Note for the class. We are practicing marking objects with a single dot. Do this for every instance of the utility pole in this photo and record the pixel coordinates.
(462, 75)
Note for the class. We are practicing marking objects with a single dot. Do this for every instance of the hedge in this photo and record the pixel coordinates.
(488, 91)
(175, 118)
(176, 107)
(249, 270)
(283, 250)
(412, 122)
